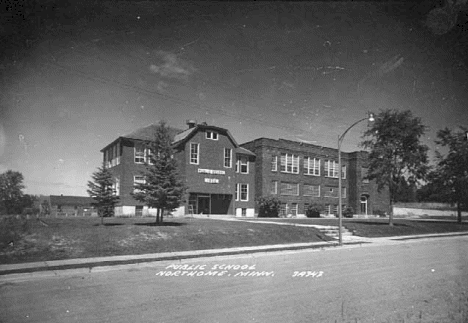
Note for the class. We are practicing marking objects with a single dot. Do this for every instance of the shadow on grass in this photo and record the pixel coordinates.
(163, 224)
(395, 224)
(108, 224)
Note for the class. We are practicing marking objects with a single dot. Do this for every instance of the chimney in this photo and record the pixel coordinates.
(191, 123)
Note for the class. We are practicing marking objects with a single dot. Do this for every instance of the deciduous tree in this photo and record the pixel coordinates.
(163, 188)
(395, 151)
(101, 190)
(452, 167)
(11, 192)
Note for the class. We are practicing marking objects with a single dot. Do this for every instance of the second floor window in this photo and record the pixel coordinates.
(274, 187)
(289, 163)
(311, 166)
(139, 154)
(194, 153)
(228, 157)
(138, 179)
(242, 165)
(274, 163)
(331, 168)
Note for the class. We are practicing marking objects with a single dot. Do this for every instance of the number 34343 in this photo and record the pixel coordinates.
(308, 273)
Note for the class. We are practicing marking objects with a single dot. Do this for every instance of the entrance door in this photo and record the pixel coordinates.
(203, 205)
(363, 204)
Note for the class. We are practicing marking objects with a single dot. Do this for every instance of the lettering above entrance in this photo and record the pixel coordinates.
(211, 171)
(212, 180)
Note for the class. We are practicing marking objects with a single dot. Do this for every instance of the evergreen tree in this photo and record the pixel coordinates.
(452, 168)
(101, 190)
(396, 151)
(163, 189)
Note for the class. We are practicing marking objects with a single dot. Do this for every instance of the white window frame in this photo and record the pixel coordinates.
(239, 164)
(196, 160)
(331, 168)
(140, 155)
(289, 163)
(148, 156)
(116, 186)
(311, 166)
(274, 163)
(136, 181)
(212, 135)
(294, 208)
(286, 189)
(228, 158)
(239, 190)
(314, 189)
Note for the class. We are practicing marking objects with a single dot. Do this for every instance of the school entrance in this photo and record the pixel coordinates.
(210, 203)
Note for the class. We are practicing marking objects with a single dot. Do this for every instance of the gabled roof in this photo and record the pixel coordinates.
(71, 200)
(242, 150)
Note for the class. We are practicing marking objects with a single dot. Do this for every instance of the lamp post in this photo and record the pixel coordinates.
(370, 117)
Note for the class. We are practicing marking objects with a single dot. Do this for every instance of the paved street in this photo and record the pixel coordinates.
(410, 281)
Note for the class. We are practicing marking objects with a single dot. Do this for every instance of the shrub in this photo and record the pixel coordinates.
(348, 212)
(268, 207)
(313, 211)
(380, 213)
(12, 229)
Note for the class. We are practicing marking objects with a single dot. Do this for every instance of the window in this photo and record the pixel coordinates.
(311, 190)
(212, 135)
(138, 179)
(148, 154)
(242, 192)
(364, 175)
(289, 189)
(274, 163)
(331, 168)
(343, 172)
(311, 166)
(331, 192)
(335, 209)
(244, 212)
(228, 157)
(139, 154)
(328, 209)
(274, 187)
(242, 165)
(283, 209)
(289, 163)
(343, 192)
(194, 148)
(116, 186)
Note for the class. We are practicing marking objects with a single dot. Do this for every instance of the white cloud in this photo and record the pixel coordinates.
(172, 66)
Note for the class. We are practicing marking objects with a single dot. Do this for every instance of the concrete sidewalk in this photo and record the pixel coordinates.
(91, 264)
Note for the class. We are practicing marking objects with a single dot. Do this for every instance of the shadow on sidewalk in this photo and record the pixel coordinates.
(163, 224)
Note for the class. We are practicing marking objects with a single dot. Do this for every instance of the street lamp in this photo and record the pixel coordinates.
(370, 117)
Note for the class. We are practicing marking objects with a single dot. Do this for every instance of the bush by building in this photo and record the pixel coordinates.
(268, 207)
(313, 210)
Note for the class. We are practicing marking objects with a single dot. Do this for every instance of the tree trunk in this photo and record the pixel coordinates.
(390, 215)
(162, 215)
(459, 213)
(157, 215)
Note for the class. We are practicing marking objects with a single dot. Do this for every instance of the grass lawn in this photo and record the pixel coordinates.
(68, 238)
(373, 228)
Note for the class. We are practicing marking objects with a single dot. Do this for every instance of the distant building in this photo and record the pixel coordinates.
(300, 174)
(218, 173)
(65, 205)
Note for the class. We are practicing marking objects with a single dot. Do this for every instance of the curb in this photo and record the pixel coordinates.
(44, 266)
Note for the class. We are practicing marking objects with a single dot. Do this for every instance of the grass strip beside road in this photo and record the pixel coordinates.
(68, 238)
(375, 228)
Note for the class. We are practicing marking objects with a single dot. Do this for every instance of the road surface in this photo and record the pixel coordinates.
(412, 281)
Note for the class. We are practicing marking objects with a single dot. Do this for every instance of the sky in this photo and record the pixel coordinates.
(75, 78)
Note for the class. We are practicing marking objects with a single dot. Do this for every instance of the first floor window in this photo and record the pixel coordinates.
(311, 190)
(139, 210)
(244, 192)
(138, 179)
(274, 187)
(116, 186)
(294, 208)
(283, 209)
(289, 189)
(194, 153)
